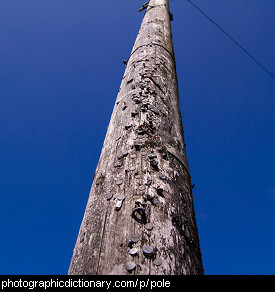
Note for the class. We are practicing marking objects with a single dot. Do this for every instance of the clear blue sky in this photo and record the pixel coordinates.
(60, 73)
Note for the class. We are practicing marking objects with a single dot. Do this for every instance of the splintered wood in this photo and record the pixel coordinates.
(140, 215)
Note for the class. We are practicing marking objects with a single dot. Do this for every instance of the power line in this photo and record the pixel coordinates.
(240, 46)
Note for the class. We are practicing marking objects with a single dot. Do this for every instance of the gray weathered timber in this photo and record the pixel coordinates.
(142, 175)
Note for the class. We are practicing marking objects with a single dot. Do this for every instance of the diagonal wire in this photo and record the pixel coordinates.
(240, 46)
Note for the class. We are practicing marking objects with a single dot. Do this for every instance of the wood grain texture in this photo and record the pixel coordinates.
(143, 167)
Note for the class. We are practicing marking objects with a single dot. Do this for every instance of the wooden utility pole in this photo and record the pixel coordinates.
(140, 215)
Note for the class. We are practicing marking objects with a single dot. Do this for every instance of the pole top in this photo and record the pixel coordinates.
(154, 3)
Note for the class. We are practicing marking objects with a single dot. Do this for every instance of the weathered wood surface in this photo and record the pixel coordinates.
(143, 175)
